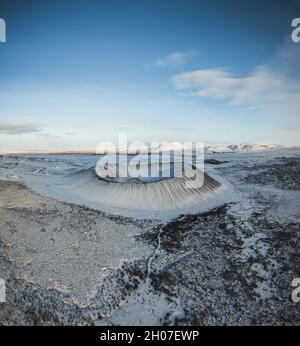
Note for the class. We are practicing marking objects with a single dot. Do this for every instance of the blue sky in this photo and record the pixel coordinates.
(76, 73)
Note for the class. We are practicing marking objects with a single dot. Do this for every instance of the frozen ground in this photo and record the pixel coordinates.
(70, 264)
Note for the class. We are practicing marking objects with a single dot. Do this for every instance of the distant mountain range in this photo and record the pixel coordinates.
(164, 147)
(232, 148)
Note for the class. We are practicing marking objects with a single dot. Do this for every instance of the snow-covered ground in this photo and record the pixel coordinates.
(67, 263)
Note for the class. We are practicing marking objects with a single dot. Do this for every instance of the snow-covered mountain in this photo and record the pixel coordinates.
(218, 149)
(163, 147)
(232, 148)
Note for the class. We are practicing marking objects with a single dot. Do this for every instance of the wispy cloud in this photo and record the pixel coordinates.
(270, 91)
(219, 84)
(18, 128)
(174, 59)
(286, 59)
(273, 87)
